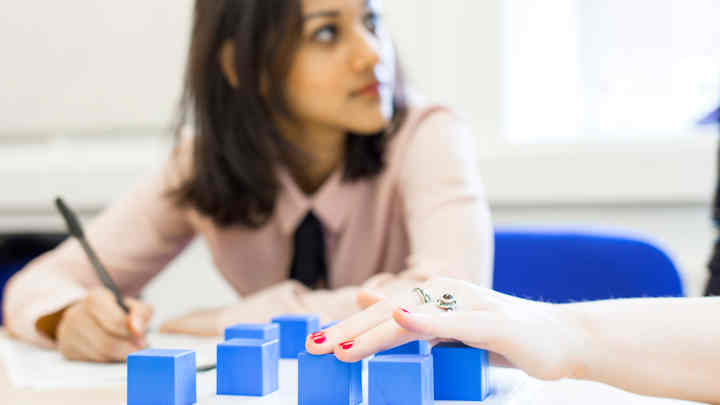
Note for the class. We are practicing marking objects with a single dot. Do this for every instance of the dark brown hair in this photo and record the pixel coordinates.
(236, 145)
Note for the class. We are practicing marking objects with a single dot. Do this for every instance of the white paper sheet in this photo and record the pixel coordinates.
(31, 367)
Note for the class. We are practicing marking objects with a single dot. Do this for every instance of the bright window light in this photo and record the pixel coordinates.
(576, 70)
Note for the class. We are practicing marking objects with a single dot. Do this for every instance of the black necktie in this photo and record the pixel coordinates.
(308, 263)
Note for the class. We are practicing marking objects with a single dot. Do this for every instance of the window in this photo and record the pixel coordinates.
(609, 70)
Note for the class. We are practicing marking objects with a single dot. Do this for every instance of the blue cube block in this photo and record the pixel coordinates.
(325, 380)
(419, 347)
(294, 329)
(161, 377)
(247, 367)
(329, 324)
(263, 331)
(461, 372)
(401, 380)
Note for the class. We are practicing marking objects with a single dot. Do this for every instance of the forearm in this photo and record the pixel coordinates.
(660, 347)
(451, 225)
(456, 243)
(289, 297)
(34, 299)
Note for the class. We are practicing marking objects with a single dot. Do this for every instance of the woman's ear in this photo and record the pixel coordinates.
(227, 62)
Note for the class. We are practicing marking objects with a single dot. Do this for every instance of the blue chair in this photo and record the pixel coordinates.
(556, 265)
(16, 250)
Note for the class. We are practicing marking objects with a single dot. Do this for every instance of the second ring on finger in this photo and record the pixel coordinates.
(446, 302)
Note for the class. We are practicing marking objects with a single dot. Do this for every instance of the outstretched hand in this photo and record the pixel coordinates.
(544, 340)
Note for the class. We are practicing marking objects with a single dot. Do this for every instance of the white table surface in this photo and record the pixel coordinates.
(508, 386)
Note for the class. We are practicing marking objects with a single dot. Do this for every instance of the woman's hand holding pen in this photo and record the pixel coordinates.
(97, 329)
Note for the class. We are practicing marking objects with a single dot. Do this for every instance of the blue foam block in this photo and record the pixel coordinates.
(161, 377)
(263, 331)
(247, 367)
(325, 380)
(401, 380)
(461, 372)
(294, 329)
(419, 347)
(329, 324)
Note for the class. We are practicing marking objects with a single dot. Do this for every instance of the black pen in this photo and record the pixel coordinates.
(76, 230)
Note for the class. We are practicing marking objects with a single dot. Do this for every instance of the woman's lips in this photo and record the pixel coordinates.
(369, 90)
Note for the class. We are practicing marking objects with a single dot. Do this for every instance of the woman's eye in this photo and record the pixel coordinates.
(371, 21)
(327, 33)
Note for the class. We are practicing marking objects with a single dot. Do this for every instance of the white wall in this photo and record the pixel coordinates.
(90, 65)
(452, 53)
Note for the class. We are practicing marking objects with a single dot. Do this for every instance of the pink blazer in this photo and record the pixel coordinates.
(425, 215)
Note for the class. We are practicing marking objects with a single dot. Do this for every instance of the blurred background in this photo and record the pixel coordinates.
(585, 112)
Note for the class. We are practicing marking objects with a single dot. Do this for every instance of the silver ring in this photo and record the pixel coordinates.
(424, 296)
(447, 302)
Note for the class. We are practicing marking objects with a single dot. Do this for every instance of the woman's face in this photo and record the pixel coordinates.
(343, 73)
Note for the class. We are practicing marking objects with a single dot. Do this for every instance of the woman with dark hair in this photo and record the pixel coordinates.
(304, 166)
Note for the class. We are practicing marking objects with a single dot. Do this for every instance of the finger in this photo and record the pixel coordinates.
(325, 341)
(72, 353)
(107, 347)
(70, 335)
(117, 350)
(475, 328)
(101, 305)
(102, 348)
(384, 336)
(77, 337)
(367, 298)
(137, 330)
(81, 353)
(139, 316)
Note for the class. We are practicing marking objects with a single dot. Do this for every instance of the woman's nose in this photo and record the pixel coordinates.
(366, 53)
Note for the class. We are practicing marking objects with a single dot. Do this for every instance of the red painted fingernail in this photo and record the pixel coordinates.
(316, 334)
(405, 310)
(319, 339)
(347, 345)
